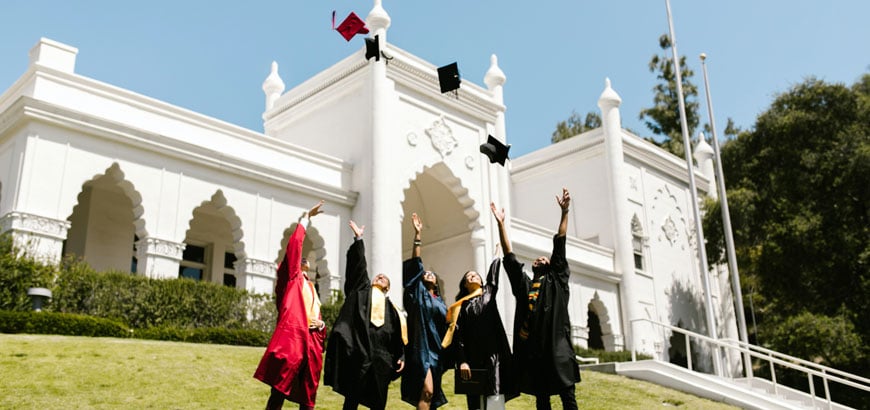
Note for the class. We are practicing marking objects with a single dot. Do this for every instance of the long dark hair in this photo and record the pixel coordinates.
(463, 291)
(436, 288)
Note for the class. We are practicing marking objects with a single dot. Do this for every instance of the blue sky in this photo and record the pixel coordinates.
(212, 56)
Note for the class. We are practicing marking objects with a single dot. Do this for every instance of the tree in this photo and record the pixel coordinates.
(800, 206)
(575, 126)
(663, 118)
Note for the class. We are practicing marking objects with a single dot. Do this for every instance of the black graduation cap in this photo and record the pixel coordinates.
(373, 48)
(448, 77)
(495, 150)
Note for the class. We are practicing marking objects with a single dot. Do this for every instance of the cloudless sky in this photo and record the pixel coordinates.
(212, 56)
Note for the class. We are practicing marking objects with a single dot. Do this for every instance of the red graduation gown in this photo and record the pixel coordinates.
(294, 356)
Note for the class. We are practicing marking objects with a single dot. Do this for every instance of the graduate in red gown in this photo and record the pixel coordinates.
(294, 356)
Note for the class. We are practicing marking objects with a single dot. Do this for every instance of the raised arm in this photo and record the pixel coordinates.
(356, 274)
(564, 203)
(418, 227)
(502, 231)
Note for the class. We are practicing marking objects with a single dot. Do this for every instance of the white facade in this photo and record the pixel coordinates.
(95, 171)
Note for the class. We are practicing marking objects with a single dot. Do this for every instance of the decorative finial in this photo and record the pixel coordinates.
(494, 76)
(378, 18)
(608, 96)
(273, 86)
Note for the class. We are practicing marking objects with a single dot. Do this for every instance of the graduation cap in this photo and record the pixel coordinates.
(373, 48)
(448, 77)
(351, 26)
(495, 150)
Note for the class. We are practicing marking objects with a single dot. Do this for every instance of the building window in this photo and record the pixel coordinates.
(192, 264)
(637, 242)
(230, 269)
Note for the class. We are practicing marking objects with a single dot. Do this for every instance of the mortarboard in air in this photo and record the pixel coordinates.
(448, 77)
(351, 26)
(373, 48)
(495, 150)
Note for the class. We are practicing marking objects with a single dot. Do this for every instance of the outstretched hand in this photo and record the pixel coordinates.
(418, 224)
(357, 230)
(565, 200)
(315, 210)
(497, 213)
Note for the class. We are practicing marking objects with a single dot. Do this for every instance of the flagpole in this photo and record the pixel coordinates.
(699, 233)
(726, 221)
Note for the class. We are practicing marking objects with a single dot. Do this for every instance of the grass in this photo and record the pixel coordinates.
(64, 372)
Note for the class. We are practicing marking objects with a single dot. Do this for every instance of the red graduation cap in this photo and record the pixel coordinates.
(351, 26)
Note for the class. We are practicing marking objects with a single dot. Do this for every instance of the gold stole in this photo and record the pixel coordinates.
(453, 316)
(379, 302)
(379, 306)
(311, 300)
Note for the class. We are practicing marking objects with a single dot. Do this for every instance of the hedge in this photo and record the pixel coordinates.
(52, 323)
(142, 302)
(214, 335)
(609, 357)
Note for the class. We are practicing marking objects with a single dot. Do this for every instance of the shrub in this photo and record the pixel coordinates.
(142, 302)
(214, 335)
(17, 274)
(609, 357)
(53, 323)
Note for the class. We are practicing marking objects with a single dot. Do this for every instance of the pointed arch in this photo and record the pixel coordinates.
(597, 308)
(313, 249)
(638, 240)
(213, 242)
(106, 218)
(450, 219)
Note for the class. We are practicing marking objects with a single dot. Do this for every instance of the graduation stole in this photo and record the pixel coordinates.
(309, 297)
(453, 316)
(379, 306)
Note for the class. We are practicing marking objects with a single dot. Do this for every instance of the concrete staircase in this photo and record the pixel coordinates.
(748, 393)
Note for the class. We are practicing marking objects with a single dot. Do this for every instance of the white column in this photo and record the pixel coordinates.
(385, 227)
(36, 236)
(621, 220)
(158, 258)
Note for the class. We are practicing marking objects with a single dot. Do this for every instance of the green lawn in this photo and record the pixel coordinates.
(63, 372)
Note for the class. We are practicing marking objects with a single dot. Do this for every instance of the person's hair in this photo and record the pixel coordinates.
(462, 289)
(436, 288)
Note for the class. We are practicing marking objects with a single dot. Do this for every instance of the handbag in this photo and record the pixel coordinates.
(476, 385)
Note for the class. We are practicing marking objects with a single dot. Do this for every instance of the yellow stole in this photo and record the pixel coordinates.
(311, 300)
(453, 316)
(379, 306)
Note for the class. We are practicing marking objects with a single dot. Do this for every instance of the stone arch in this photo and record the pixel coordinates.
(98, 221)
(449, 241)
(313, 249)
(596, 307)
(214, 226)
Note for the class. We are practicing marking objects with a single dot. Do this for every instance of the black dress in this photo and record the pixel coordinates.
(480, 341)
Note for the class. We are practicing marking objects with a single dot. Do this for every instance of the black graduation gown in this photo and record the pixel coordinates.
(360, 358)
(545, 360)
(480, 339)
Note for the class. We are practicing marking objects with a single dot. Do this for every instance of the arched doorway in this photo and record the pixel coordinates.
(449, 219)
(312, 249)
(598, 323)
(594, 324)
(105, 222)
(212, 243)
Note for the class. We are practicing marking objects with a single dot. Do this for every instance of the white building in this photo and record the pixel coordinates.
(131, 183)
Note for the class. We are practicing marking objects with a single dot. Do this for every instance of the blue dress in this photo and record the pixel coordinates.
(427, 324)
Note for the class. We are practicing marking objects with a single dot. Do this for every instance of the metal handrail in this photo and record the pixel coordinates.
(785, 361)
(807, 363)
